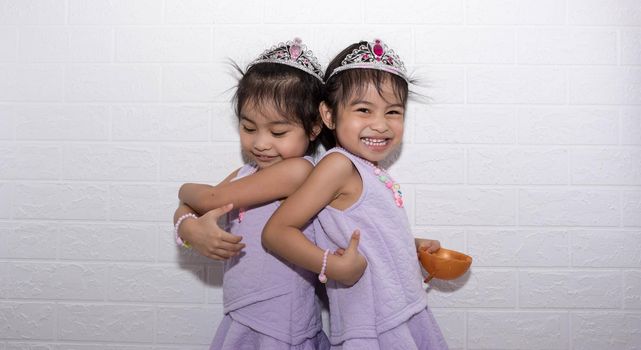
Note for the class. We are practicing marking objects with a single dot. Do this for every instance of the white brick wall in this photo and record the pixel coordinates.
(528, 157)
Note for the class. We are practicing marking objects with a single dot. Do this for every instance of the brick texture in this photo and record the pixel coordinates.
(526, 155)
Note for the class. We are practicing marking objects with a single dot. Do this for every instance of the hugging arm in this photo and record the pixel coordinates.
(204, 234)
(275, 182)
(282, 234)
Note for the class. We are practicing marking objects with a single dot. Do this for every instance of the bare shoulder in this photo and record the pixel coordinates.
(337, 173)
(336, 164)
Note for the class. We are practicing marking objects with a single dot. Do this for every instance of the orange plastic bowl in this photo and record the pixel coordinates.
(445, 264)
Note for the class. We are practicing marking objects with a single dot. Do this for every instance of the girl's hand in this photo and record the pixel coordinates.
(208, 239)
(350, 264)
(427, 245)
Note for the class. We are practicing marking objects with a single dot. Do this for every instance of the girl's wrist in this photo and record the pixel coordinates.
(183, 229)
(334, 269)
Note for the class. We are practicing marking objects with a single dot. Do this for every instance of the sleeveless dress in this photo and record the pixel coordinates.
(268, 303)
(387, 308)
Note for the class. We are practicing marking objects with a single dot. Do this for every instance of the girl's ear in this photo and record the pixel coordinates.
(326, 115)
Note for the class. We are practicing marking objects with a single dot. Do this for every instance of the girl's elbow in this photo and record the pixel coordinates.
(267, 237)
(185, 190)
(181, 191)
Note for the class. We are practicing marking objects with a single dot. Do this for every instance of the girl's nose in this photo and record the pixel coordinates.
(379, 124)
(261, 143)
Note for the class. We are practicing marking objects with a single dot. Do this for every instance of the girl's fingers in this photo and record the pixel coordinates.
(218, 212)
(222, 254)
(353, 242)
(229, 238)
(232, 247)
(215, 257)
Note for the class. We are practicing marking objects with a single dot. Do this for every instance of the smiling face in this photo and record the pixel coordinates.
(267, 137)
(370, 124)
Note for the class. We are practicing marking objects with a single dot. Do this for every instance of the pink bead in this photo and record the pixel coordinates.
(389, 184)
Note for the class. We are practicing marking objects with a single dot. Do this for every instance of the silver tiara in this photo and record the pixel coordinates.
(373, 55)
(292, 53)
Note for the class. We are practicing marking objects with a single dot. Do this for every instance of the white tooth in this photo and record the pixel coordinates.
(374, 142)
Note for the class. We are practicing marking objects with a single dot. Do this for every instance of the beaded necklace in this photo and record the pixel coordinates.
(385, 178)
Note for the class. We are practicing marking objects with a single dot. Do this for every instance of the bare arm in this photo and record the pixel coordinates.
(275, 182)
(282, 233)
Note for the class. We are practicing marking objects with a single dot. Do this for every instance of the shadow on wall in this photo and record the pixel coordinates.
(448, 286)
(208, 271)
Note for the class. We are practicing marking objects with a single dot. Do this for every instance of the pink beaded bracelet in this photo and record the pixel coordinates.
(321, 277)
(180, 220)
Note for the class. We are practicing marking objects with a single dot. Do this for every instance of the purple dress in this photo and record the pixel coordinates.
(268, 303)
(387, 308)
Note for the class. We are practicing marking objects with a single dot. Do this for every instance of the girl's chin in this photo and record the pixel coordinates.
(375, 155)
(378, 149)
(261, 163)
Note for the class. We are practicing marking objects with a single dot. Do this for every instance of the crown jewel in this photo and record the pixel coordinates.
(373, 55)
(292, 53)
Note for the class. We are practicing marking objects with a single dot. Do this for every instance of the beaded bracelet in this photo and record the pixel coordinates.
(180, 220)
(321, 277)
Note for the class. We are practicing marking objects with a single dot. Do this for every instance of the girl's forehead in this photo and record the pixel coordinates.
(264, 113)
(370, 91)
(353, 84)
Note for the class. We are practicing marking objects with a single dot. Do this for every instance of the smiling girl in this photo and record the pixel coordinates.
(377, 302)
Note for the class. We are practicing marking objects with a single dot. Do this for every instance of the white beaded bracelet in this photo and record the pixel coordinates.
(179, 240)
(321, 276)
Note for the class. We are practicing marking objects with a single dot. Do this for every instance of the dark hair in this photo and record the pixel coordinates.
(294, 93)
(340, 87)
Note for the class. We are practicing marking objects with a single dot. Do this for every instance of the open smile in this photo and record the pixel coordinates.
(375, 142)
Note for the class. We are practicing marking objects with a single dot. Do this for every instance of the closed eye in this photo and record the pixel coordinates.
(247, 129)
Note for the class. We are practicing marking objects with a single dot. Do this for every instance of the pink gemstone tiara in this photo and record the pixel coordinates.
(373, 55)
(292, 53)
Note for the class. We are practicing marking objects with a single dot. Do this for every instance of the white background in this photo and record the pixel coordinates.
(527, 157)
